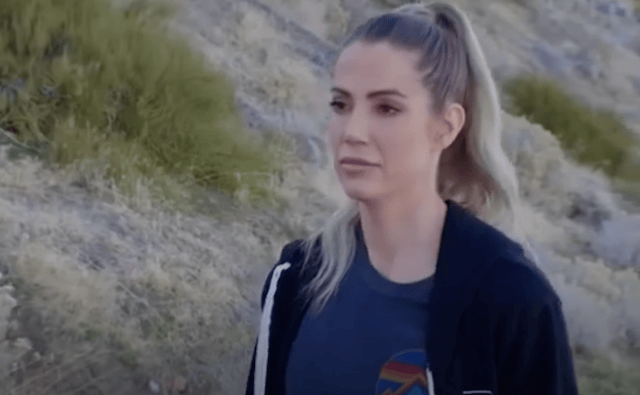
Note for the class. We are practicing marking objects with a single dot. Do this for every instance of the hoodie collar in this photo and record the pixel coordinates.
(465, 255)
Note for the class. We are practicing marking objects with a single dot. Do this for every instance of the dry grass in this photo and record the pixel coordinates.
(600, 376)
(564, 205)
(164, 293)
(271, 74)
(326, 18)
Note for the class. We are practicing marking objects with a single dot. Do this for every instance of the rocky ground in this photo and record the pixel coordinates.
(278, 53)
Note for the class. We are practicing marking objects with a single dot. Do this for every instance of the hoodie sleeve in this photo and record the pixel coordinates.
(540, 360)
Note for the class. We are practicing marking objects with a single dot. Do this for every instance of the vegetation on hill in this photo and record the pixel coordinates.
(599, 376)
(84, 81)
(86, 85)
(594, 137)
(102, 88)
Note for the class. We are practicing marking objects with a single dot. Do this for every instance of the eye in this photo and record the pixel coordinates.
(386, 109)
(337, 105)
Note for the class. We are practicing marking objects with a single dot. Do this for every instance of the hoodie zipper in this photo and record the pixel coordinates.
(262, 355)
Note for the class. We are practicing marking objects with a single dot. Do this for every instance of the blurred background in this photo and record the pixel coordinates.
(155, 156)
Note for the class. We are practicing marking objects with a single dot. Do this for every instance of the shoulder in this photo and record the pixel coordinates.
(285, 267)
(291, 257)
(292, 252)
(509, 276)
(515, 281)
(291, 260)
(465, 231)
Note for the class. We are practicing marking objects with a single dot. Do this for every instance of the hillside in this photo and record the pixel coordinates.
(115, 293)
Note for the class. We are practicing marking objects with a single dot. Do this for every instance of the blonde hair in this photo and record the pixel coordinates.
(474, 170)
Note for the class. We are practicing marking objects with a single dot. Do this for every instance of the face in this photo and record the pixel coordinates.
(381, 116)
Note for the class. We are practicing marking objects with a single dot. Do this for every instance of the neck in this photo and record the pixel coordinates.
(403, 225)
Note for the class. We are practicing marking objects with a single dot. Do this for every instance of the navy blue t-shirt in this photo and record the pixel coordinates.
(369, 340)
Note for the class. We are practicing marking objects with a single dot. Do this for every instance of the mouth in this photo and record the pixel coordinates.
(356, 162)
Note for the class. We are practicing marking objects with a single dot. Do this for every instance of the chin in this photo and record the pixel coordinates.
(361, 187)
(360, 191)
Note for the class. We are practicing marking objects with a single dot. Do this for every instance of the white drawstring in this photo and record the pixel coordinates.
(262, 355)
(430, 382)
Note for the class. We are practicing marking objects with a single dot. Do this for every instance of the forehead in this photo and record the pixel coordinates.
(363, 67)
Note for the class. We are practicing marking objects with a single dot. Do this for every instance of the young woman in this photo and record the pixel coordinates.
(412, 288)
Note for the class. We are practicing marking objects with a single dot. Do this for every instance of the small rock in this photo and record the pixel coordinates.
(154, 387)
(23, 342)
(550, 59)
(5, 298)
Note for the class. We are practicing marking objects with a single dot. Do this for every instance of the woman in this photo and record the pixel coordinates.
(410, 289)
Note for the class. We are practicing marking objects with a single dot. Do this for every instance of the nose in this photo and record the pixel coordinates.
(355, 128)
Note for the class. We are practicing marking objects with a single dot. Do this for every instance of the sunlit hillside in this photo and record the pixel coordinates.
(156, 156)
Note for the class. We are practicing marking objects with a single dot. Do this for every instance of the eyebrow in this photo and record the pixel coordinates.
(373, 94)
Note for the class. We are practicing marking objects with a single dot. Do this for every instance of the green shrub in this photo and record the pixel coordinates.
(598, 375)
(108, 84)
(597, 138)
(129, 358)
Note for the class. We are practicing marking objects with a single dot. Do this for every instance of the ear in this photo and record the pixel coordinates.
(454, 118)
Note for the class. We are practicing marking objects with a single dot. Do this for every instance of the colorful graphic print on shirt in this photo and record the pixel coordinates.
(404, 374)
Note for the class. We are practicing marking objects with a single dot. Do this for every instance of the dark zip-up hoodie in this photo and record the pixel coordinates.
(496, 325)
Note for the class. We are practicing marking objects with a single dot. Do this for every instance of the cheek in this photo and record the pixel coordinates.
(405, 152)
(403, 137)
(333, 136)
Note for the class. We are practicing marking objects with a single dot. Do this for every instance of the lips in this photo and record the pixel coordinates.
(356, 161)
